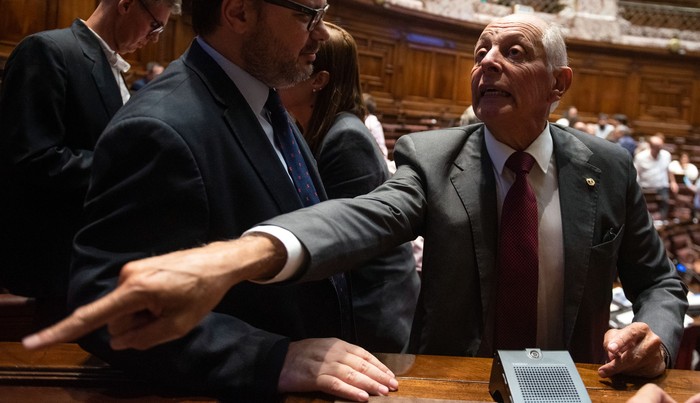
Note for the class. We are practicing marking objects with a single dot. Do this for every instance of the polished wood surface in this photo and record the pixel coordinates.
(66, 373)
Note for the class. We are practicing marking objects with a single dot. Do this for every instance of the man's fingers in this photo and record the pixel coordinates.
(146, 336)
(85, 319)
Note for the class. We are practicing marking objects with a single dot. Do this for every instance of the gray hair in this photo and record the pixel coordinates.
(175, 6)
(554, 47)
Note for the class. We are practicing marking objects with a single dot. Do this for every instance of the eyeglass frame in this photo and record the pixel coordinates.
(316, 14)
(157, 27)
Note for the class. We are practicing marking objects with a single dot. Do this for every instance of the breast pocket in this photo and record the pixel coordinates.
(605, 254)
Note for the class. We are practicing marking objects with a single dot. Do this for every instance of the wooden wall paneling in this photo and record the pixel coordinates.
(19, 18)
(599, 85)
(376, 56)
(665, 97)
(72, 9)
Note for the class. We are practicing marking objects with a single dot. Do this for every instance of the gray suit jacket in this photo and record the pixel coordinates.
(444, 190)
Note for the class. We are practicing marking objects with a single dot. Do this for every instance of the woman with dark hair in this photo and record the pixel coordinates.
(329, 110)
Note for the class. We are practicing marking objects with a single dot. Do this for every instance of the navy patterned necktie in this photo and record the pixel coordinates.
(518, 261)
(297, 169)
(285, 140)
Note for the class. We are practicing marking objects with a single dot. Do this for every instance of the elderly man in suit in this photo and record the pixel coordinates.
(450, 187)
(60, 89)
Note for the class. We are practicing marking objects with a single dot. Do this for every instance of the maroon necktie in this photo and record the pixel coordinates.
(516, 306)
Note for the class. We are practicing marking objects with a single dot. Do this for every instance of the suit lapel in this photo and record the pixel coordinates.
(578, 198)
(476, 186)
(246, 129)
(101, 70)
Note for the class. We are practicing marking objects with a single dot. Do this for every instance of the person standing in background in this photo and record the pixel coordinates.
(377, 130)
(60, 89)
(653, 174)
(329, 108)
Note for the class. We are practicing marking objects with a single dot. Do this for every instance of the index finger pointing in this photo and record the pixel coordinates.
(85, 319)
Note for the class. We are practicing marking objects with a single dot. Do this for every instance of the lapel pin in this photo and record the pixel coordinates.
(590, 181)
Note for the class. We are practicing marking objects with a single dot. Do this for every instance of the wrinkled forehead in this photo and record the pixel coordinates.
(528, 27)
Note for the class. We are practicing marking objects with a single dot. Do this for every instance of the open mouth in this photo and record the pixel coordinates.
(494, 92)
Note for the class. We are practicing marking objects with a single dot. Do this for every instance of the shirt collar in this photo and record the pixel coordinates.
(541, 149)
(253, 90)
(115, 60)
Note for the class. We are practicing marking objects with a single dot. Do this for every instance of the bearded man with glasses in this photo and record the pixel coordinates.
(60, 88)
(196, 157)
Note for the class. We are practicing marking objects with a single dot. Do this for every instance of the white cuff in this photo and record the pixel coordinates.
(295, 252)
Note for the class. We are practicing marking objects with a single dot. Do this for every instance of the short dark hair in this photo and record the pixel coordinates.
(369, 102)
(205, 16)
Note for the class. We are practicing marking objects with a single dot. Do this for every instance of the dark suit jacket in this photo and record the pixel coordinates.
(385, 289)
(186, 163)
(58, 94)
(444, 189)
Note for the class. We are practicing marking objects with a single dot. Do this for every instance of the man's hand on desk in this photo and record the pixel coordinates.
(335, 367)
(161, 298)
(633, 350)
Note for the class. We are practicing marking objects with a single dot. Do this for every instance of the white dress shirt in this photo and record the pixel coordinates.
(119, 66)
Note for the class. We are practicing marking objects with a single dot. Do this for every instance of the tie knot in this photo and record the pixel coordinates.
(274, 102)
(520, 162)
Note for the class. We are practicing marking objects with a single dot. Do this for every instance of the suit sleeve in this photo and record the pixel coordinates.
(365, 226)
(33, 104)
(147, 197)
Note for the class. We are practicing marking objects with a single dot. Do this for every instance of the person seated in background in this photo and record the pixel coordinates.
(59, 91)
(329, 109)
(584, 127)
(468, 117)
(374, 125)
(653, 174)
(622, 135)
(453, 186)
(569, 117)
(619, 119)
(153, 69)
(603, 128)
(685, 171)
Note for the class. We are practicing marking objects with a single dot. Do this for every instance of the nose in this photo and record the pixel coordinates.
(320, 32)
(153, 37)
(492, 60)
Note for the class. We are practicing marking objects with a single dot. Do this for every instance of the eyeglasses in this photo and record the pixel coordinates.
(157, 27)
(316, 14)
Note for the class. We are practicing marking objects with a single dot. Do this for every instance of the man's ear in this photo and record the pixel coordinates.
(124, 5)
(562, 82)
(236, 14)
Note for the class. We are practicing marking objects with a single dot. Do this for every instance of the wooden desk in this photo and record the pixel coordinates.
(66, 373)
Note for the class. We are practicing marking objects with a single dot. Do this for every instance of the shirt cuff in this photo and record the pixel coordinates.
(295, 252)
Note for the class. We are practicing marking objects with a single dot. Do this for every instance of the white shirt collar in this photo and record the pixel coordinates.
(541, 149)
(115, 60)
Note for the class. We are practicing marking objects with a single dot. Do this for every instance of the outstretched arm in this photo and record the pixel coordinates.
(162, 298)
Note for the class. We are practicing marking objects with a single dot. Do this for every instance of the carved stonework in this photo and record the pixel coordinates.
(592, 20)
